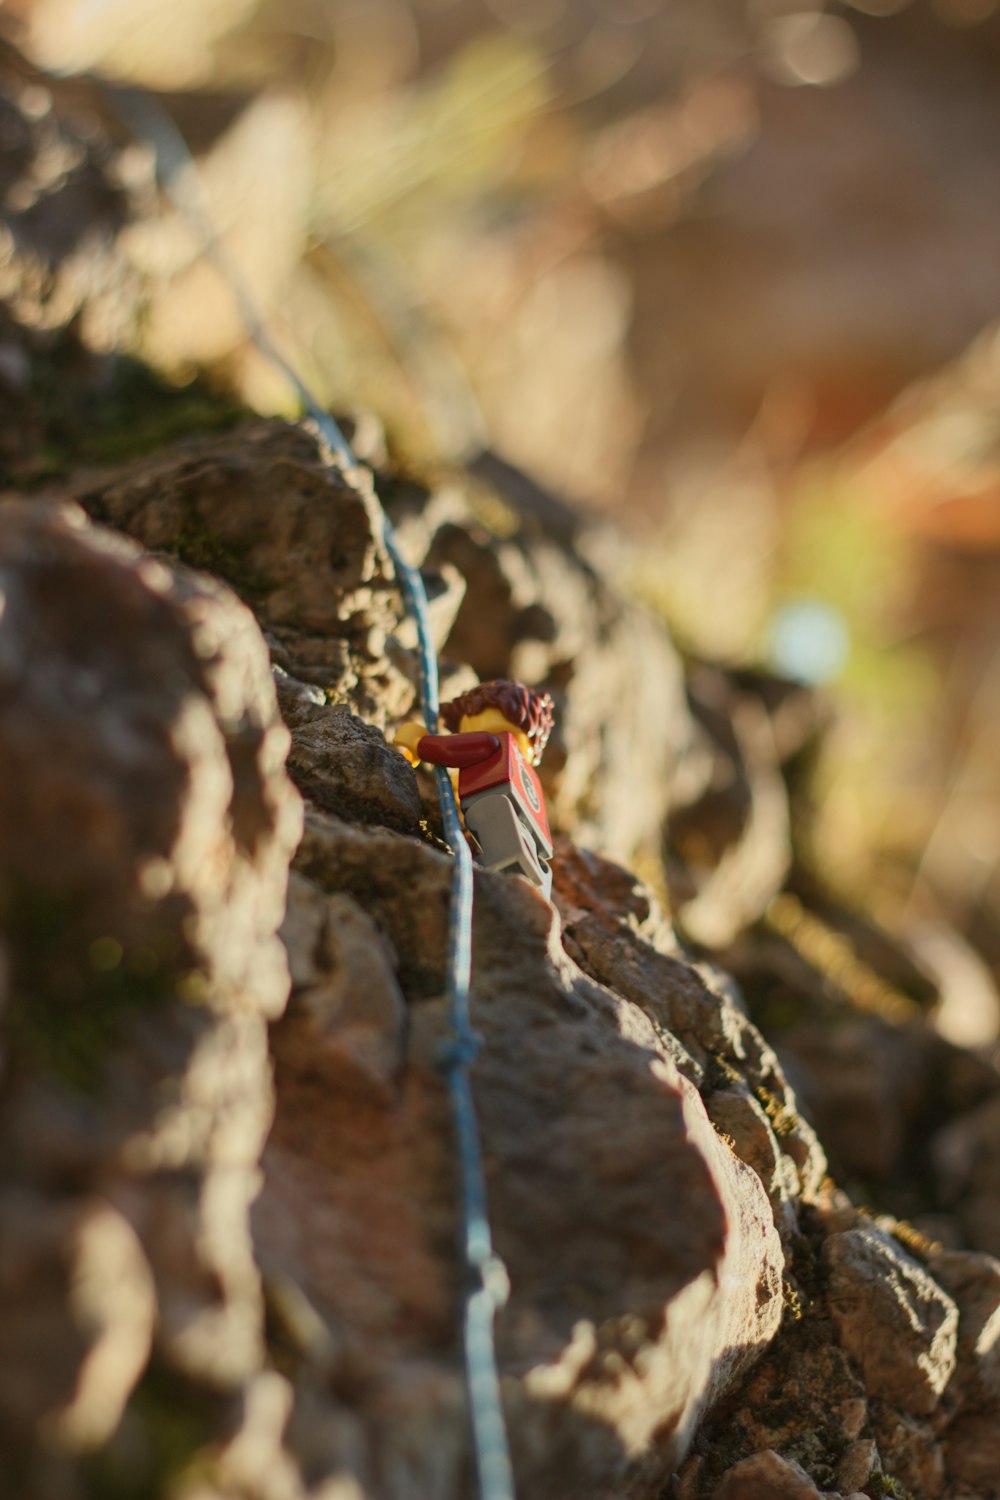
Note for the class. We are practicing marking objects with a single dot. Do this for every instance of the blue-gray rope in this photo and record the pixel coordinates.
(486, 1279)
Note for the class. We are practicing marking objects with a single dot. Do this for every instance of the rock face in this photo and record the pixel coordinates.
(873, 1283)
(148, 824)
(311, 568)
(643, 1252)
(247, 1240)
(667, 1276)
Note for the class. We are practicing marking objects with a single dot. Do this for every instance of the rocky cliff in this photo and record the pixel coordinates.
(227, 1265)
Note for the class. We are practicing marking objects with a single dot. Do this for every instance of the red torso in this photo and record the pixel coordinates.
(486, 761)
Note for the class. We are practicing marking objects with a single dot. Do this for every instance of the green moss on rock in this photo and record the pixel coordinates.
(72, 992)
(114, 410)
(166, 1443)
(881, 1485)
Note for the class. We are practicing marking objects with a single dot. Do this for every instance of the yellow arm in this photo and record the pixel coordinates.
(407, 738)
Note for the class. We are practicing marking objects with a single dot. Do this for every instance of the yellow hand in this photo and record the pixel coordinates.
(407, 738)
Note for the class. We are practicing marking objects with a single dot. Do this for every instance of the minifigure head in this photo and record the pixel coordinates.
(504, 706)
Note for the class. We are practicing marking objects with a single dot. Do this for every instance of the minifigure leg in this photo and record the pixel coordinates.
(504, 839)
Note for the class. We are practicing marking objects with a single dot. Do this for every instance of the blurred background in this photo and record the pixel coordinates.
(727, 271)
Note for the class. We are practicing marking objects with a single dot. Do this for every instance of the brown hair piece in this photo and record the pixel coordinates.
(523, 706)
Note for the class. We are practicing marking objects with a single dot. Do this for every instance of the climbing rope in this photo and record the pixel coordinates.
(486, 1285)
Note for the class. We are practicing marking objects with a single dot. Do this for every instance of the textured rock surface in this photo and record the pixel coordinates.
(610, 1350)
(148, 824)
(592, 1141)
(310, 566)
(767, 1476)
(866, 1317)
(650, 1172)
(973, 1282)
(873, 1283)
(615, 932)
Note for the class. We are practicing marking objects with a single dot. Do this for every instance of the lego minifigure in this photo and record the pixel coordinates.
(498, 732)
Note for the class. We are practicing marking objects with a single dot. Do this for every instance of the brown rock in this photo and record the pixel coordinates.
(148, 824)
(966, 1155)
(68, 295)
(973, 1283)
(262, 508)
(911, 1453)
(345, 767)
(803, 1399)
(347, 1012)
(972, 1451)
(255, 1463)
(35, 1268)
(738, 1115)
(856, 1464)
(891, 1317)
(610, 1348)
(613, 929)
(640, 1136)
(298, 701)
(170, 678)
(727, 837)
(766, 1476)
(112, 1300)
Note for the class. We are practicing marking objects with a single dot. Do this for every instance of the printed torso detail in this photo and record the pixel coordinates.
(488, 762)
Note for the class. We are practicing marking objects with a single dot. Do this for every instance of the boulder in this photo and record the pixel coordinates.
(874, 1285)
(148, 825)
